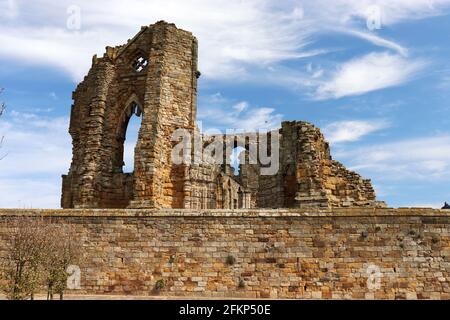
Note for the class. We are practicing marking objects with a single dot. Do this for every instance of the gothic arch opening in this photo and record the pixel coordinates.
(237, 155)
(126, 137)
(131, 138)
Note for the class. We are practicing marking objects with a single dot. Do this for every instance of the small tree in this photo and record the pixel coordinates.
(38, 254)
(63, 251)
(22, 267)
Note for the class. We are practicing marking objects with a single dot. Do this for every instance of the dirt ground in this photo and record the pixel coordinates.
(71, 297)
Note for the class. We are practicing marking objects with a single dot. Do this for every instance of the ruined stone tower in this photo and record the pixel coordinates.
(155, 76)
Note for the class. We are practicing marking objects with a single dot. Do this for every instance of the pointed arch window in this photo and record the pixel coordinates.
(126, 138)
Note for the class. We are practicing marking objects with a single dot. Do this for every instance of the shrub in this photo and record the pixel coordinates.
(160, 284)
(230, 260)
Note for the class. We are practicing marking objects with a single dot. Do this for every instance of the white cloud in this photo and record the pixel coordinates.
(240, 107)
(371, 37)
(338, 12)
(8, 9)
(371, 72)
(422, 159)
(219, 113)
(426, 205)
(235, 36)
(352, 130)
(232, 34)
(37, 153)
(26, 193)
(70, 52)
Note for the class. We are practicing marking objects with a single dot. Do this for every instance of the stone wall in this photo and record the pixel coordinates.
(298, 253)
(307, 176)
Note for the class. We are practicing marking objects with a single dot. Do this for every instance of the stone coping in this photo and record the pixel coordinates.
(241, 213)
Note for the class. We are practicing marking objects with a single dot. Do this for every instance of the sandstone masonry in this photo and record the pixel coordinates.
(155, 76)
(340, 253)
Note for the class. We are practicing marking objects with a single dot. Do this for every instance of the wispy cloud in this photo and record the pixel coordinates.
(220, 113)
(37, 153)
(23, 193)
(375, 39)
(352, 130)
(427, 205)
(8, 9)
(421, 159)
(235, 36)
(371, 72)
(350, 12)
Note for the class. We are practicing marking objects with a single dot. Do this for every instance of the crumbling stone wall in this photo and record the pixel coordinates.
(308, 176)
(342, 253)
(320, 180)
(154, 76)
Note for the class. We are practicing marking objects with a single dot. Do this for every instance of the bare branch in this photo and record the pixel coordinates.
(22, 269)
(38, 254)
(63, 250)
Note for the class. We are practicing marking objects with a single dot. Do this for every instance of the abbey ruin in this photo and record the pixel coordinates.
(304, 228)
(154, 76)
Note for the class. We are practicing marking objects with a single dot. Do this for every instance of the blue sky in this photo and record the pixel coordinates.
(373, 75)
